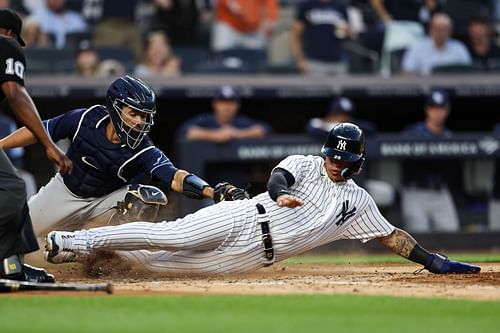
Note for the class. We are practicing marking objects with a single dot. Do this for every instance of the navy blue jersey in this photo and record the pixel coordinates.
(427, 173)
(320, 19)
(208, 121)
(419, 130)
(100, 166)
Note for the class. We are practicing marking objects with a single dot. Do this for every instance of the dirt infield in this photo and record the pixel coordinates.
(379, 279)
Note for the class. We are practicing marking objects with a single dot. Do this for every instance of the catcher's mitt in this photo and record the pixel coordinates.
(227, 192)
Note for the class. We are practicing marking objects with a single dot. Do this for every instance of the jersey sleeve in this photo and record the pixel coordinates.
(297, 165)
(161, 169)
(201, 120)
(247, 122)
(12, 63)
(65, 125)
(368, 223)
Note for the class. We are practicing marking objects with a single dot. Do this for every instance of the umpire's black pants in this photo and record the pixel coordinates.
(16, 230)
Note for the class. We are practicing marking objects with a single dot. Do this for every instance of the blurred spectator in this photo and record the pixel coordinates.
(485, 53)
(318, 32)
(342, 110)
(243, 24)
(436, 50)
(53, 20)
(34, 37)
(88, 64)
(179, 19)
(32, 5)
(159, 60)
(494, 209)
(115, 24)
(427, 203)
(222, 126)
(224, 123)
(16, 5)
(16, 155)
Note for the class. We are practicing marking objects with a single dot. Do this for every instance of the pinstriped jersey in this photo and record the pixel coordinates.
(226, 237)
(331, 210)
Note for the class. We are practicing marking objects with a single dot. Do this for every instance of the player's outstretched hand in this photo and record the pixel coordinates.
(62, 161)
(290, 201)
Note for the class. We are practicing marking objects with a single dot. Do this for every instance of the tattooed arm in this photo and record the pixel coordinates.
(399, 241)
(406, 246)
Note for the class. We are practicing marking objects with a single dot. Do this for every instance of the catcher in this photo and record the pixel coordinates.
(310, 201)
(110, 149)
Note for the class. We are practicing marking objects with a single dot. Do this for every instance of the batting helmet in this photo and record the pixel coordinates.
(346, 142)
(135, 94)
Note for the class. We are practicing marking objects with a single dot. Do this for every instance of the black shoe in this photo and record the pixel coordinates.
(32, 274)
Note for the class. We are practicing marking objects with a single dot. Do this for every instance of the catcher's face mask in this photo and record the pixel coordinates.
(129, 98)
(133, 124)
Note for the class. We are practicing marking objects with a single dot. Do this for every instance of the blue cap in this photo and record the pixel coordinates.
(227, 93)
(342, 104)
(438, 98)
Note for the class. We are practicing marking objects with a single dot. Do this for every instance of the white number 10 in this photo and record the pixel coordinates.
(14, 67)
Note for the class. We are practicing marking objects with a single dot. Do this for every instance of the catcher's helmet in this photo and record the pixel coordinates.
(346, 142)
(134, 93)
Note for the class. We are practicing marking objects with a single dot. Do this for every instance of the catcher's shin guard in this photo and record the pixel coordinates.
(141, 203)
(440, 264)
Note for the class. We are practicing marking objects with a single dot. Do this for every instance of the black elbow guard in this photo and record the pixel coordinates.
(192, 186)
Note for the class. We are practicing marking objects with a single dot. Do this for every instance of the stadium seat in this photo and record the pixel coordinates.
(49, 60)
(74, 40)
(361, 60)
(254, 60)
(396, 57)
(456, 69)
(288, 68)
(225, 66)
(399, 35)
(191, 57)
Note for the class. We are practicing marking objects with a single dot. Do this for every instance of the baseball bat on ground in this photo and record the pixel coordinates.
(9, 286)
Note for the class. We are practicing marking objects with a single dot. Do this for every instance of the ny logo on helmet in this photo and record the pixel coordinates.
(341, 144)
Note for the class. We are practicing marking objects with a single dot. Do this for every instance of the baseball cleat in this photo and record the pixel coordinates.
(34, 274)
(29, 273)
(58, 241)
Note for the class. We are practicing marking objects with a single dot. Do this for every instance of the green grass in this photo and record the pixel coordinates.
(383, 258)
(270, 314)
